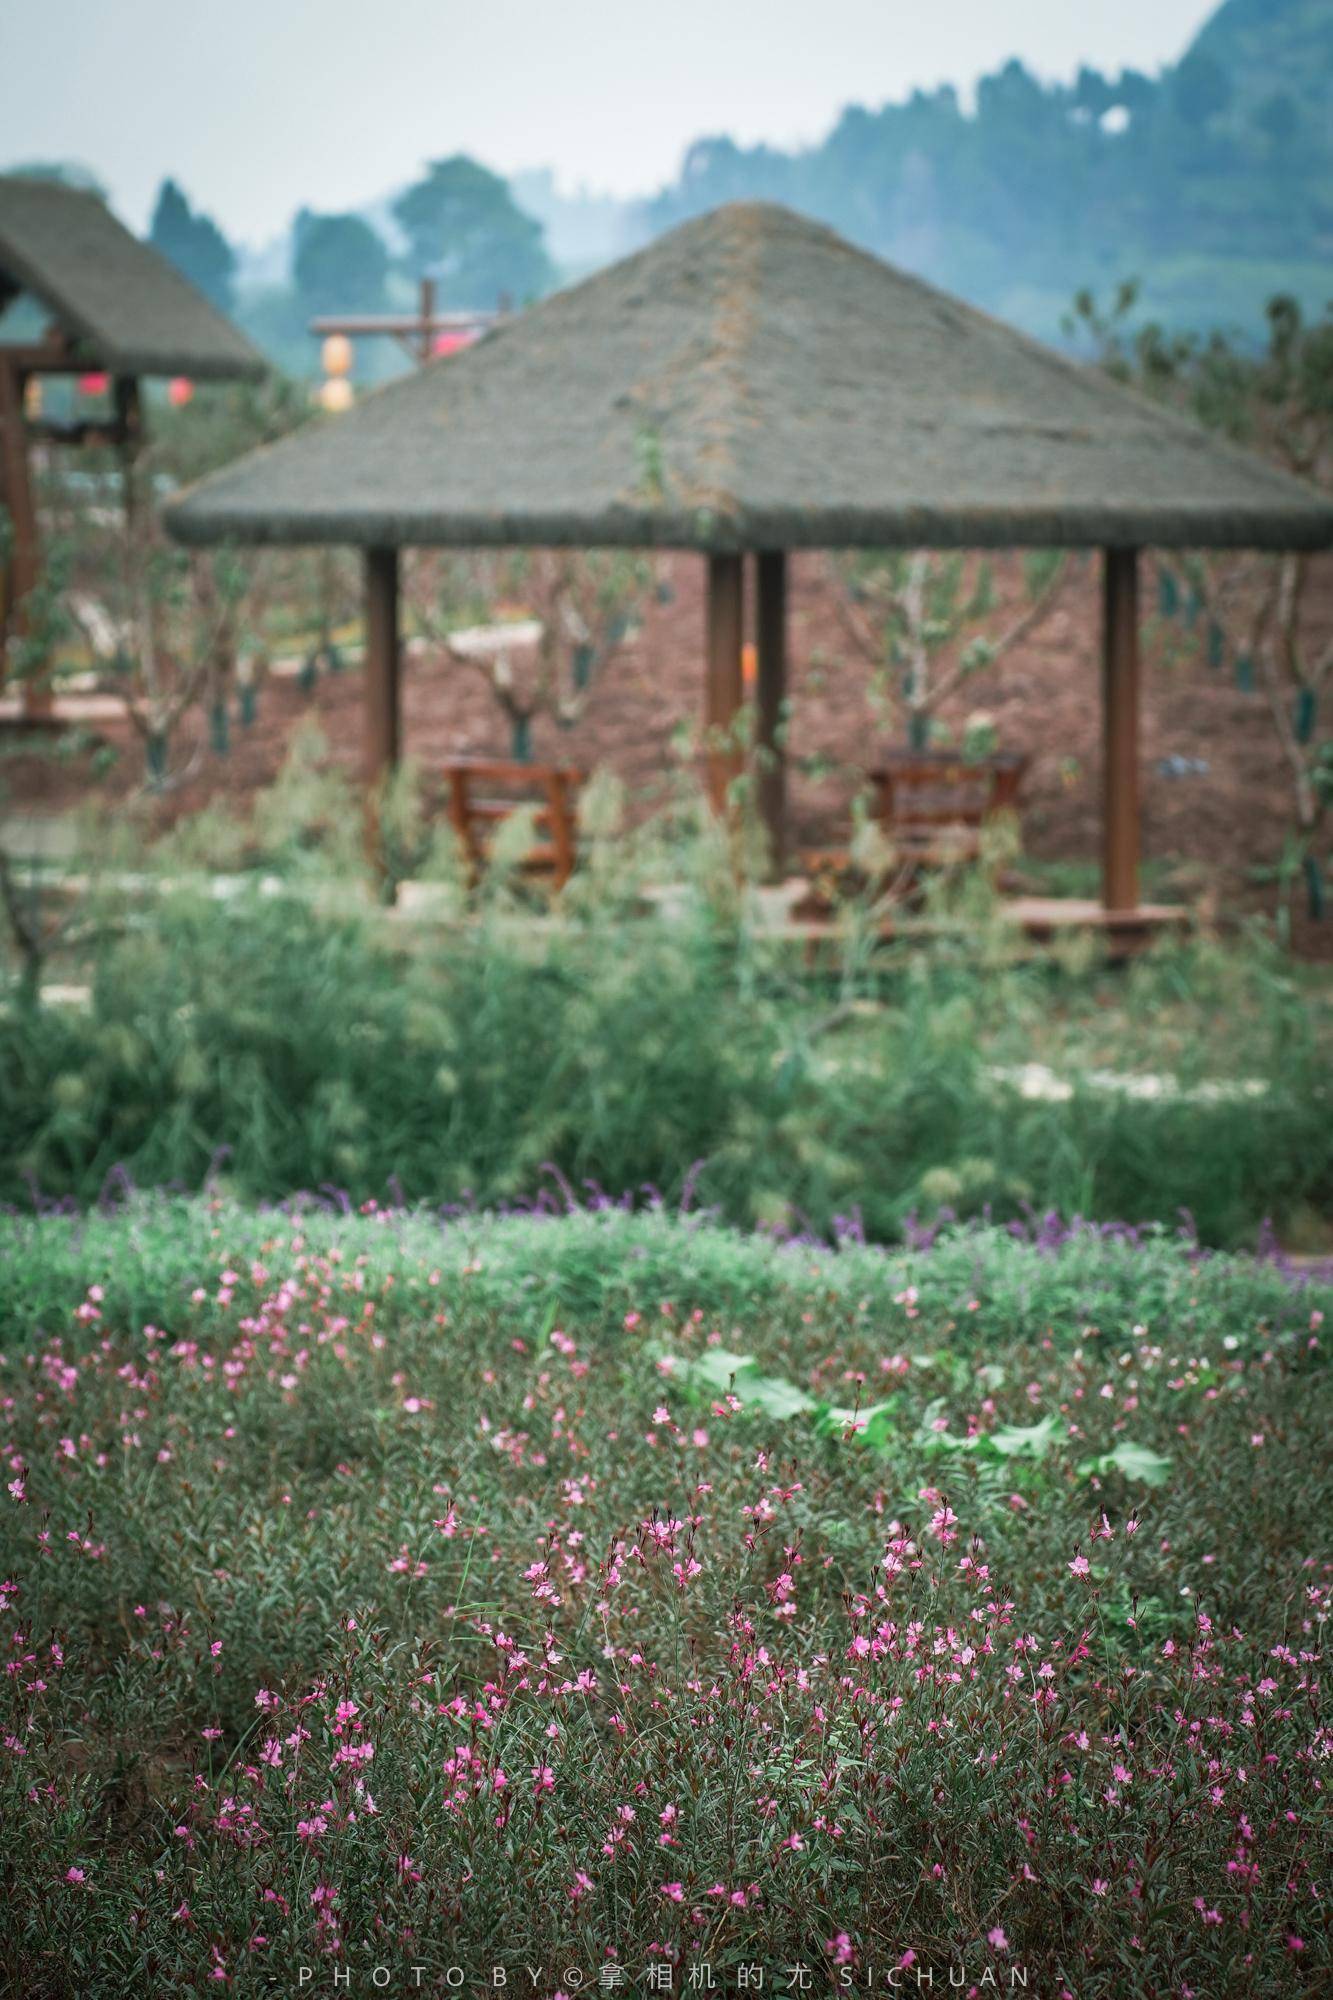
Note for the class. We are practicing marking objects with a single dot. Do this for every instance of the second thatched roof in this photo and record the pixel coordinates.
(125, 308)
(753, 381)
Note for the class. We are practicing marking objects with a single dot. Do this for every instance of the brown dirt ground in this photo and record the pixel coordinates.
(1212, 828)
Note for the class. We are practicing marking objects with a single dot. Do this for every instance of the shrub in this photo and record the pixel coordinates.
(292, 1039)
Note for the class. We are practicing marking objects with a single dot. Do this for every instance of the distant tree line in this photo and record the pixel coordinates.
(1213, 181)
(1227, 155)
(459, 223)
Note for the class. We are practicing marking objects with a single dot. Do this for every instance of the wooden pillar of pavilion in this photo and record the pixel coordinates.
(382, 738)
(1120, 730)
(724, 690)
(129, 443)
(20, 570)
(770, 694)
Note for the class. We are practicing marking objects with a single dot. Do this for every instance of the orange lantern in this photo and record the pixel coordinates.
(749, 665)
(336, 355)
(180, 390)
(32, 398)
(335, 395)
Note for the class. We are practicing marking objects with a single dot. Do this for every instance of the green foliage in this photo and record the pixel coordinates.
(1192, 178)
(289, 1032)
(1201, 89)
(193, 242)
(466, 230)
(370, 1584)
(339, 263)
(1132, 1461)
(220, 422)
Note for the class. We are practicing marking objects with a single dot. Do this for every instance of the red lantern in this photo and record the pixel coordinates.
(450, 343)
(180, 389)
(94, 385)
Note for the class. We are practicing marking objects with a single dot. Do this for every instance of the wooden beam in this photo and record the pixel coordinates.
(353, 324)
(770, 694)
(724, 690)
(1120, 730)
(426, 338)
(22, 565)
(381, 692)
(83, 431)
(383, 656)
(53, 355)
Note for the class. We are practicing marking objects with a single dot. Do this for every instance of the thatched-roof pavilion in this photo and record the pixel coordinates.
(751, 383)
(116, 308)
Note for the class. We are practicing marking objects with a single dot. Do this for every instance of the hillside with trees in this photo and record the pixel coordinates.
(1212, 182)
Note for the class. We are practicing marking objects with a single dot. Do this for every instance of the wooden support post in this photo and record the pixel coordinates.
(138, 517)
(21, 567)
(770, 693)
(129, 424)
(1120, 730)
(381, 691)
(725, 689)
(427, 337)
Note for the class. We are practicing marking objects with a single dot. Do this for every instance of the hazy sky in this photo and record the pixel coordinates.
(259, 105)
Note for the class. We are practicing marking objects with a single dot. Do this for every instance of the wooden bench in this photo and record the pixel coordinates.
(932, 806)
(484, 792)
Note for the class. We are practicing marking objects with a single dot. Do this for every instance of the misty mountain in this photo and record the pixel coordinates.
(1212, 183)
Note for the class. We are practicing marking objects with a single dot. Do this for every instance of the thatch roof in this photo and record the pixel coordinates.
(127, 309)
(752, 381)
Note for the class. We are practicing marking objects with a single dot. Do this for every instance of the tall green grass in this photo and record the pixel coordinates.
(278, 1045)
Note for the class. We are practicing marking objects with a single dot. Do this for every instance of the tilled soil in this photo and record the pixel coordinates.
(1216, 826)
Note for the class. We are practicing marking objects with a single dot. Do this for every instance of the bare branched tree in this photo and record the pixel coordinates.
(569, 613)
(927, 623)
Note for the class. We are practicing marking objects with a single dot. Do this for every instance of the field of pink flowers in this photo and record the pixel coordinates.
(626, 1603)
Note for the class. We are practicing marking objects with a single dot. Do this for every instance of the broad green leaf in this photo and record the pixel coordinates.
(936, 1441)
(721, 1371)
(717, 1368)
(1132, 1461)
(775, 1397)
(869, 1425)
(1024, 1441)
